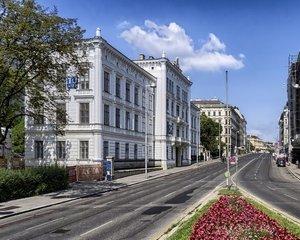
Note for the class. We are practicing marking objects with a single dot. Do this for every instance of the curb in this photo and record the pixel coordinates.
(294, 174)
(270, 206)
(110, 190)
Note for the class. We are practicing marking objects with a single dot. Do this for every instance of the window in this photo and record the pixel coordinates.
(39, 119)
(219, 113)
(61, 116)
(61, 150)
(38, 149)
(184, 96)
(177, 110)
(84, 82)
(127, 91)
(117, 150)
(117, 117)
(167, 105)
(105, 149)
(177, 132)
(118, 87)
(127, 151)
(208, 113)
(214, 113)
(84, 113)
(136, 122)
(143, 98)
(136, 95)
(106, 114)
(106, 82)
(127, 121)
(84, 150)
(172, 108)
(178, 93)
(135, 151)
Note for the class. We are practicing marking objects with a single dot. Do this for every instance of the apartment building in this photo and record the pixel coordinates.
(172, 116)
(293, 94)
(232, 121)
(195, 132)
(283, 125)
(106, 115)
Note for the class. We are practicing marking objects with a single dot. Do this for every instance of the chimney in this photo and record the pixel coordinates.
(142, 56)
(163, 54)
(98, 32)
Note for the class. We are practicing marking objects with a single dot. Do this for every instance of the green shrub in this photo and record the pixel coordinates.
(31, 181)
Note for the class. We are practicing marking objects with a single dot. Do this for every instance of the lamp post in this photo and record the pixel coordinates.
(226, 94)
(153, 86)
(220, 139)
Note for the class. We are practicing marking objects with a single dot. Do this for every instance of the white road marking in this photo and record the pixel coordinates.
(96, 228)
(290, 197)
(40, 225)
(271, 188)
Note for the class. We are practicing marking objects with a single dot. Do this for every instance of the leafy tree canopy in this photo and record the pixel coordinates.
(37, 47)
(210, 133)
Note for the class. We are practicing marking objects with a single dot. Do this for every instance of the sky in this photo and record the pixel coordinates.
(250, 39)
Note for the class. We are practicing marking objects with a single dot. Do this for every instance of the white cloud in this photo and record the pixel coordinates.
(123, 25)
(153, 39)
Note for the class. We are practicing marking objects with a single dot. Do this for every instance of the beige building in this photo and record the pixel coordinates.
(233, 122)
(283, 125)
(258, 144)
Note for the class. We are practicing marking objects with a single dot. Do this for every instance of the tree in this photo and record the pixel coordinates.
(210, 134)
(18, 137)
(37, 49)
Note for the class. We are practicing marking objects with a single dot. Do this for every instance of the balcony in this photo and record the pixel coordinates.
(179, 120)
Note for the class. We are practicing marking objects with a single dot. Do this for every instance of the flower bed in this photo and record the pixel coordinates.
(233, 218)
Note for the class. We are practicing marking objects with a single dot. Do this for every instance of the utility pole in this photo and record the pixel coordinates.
(226, 115)
(219, 139)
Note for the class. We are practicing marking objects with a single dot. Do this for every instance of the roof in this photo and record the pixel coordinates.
(209, 103)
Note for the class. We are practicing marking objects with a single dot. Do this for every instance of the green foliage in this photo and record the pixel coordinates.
(18, 137)
(37, 48)
(28, 182)
(209, 134)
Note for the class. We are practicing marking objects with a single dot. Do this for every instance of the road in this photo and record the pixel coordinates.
(139, 212)
(272, 184)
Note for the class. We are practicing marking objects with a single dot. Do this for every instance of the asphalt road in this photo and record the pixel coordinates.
(139, 212)
(272, 184)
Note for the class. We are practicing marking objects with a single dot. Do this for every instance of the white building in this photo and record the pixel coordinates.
(283, 124)
(172, 111)
(106, 115)
(195, 132)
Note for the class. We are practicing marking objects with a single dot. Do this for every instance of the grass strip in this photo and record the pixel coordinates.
(185, 230)
(292, 227)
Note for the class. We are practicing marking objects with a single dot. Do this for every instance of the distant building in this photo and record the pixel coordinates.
(232, 121)
(258, 144)
(283, 125)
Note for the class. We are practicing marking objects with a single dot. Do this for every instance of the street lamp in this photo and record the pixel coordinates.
(226, 94)
(153, 86)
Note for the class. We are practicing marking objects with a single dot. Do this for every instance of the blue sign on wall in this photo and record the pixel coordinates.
(72, 82)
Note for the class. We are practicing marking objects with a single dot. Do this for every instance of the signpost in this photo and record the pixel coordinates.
(71, 82)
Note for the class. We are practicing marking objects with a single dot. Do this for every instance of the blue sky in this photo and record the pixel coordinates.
(250, 38)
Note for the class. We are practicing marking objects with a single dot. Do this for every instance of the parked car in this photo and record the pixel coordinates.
(281, 161)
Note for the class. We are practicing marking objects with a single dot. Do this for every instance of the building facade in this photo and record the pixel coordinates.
(112, 107)
(195, 132)
(233, 122)
(258, 144)
(172, 116)
(106, 115)
(293, 94)
(283, 125)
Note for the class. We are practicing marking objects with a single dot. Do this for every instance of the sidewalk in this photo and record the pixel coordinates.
(84, 189)
(294, 170)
